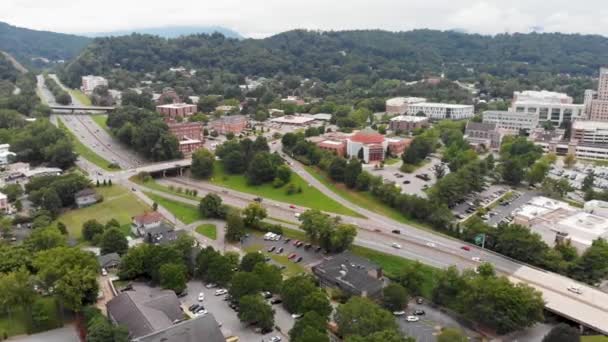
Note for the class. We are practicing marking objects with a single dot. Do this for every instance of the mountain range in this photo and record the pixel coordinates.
(171, 31)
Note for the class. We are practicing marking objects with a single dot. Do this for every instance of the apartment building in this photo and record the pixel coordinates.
(173, 110)
(407, 123)
(230, 124)
(512, 121)
(399, 105)
(596, 102)
(438, 111)
(90, 82)
(189, 135)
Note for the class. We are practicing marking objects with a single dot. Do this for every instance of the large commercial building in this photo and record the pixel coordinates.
(189, 135)
(173, 110)
(512, 121)
(400, 105)
(407, 123)
(234, 124)
(483, 135)
(547, 106)
(438, 111)
(590, 132)
(90, 82)
(597, 102)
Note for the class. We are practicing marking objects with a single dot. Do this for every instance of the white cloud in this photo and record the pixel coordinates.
(258, 18)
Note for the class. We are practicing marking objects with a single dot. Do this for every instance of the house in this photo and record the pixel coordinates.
(351, 274)
(86, 197)
(143, 312)
(203, 328)
(143, 223)
(109, 261)
(162, 234)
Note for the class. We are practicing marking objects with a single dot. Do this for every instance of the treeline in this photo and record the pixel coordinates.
(331, 56)
(26, 101)
(145, 131)
(37, 142)
(61, 96)
(52, 193)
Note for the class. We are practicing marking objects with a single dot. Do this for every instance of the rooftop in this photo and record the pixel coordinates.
(539, 206)
(367, 136)
(86, 192)
(443, 105)
(293, 119)
(351, 271)
(542, 96)
(203, 328)
(590, 125)
(149, 217)
(331, 142)
(399, 101)
(409, 118)
(176, 105)
(479, 126)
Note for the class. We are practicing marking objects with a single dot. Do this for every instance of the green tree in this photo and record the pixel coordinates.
(114, 241)
(451, 335)
(563, 333)
(352, 170)
(310, 334)
(294, 290)
(412, 277)
(537, 172)
(512, 171)
(450, 285)
(394, 297)
(253, 308)
(309, 323)
(270, 276)
(569, 160)
(253, 214)
(202, 163)
(318, 302)
(262, 169)
(220, 270)
(45, 238)
(389, 335)
(211, 206)
(360, 316)
(592, 266)
(235, 226)
(243, 284)
(337, 168)
(12, 191)
(250, 260)
(173, 277)
(588, 182)
(90, 229)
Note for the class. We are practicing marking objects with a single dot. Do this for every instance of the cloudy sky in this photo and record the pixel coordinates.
(260, 18)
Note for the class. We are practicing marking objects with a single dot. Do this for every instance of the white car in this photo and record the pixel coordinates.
(210, 285)
(412, 318)
(430, 244)
(575, 289)
(275, 339)
(201, 297)
(221, 292)
(396, 245)
(399, 313)
(296, 315)
(104, 272)
(476, 259)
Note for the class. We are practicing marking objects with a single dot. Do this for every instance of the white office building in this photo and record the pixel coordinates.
(438, 111)
(400, 105)
(511, 121)
(5, 154)
(90, 82)
(548, 106)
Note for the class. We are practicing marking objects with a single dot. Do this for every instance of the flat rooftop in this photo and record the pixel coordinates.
(590, 125)
(175, 105)
(442, 105)
(293, 120)
(409, 118)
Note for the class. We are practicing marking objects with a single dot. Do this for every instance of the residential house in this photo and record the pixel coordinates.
(203, 328)
(109, 261)
(141, 224)
(86, 197)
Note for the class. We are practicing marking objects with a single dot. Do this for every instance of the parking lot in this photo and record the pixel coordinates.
(408, 182)
(577, 174)
(227, 317)
(430, 324)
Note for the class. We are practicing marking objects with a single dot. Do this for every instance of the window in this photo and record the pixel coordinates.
(531, 109)
(543, 114)
(520, 109)
(555, 114)
(567, 114)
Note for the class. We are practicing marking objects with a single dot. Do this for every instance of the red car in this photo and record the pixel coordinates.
(466, 248)
(291, 256)
(292, 206)
(295, 242)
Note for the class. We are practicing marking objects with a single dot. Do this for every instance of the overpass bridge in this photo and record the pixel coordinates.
(74, 109)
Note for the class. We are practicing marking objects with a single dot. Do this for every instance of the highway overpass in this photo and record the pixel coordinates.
(74, 109)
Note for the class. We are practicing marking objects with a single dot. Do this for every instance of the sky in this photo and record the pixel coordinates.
(262, 18)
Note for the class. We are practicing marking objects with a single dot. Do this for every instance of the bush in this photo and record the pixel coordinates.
(277, 183)
(291, 189)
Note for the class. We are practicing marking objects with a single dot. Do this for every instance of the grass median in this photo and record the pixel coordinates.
(85, 152)
(207, 229)
(102, 121)
(184, 212)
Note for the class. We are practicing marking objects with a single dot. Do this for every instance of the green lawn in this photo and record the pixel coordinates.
(363, 199)
(118, 203)
(310, 196)
(101, 121)
(207, 229)
(184, 212)
(410, 168)
(597, 338)
(84, 151)
(153, 185)
(80, 96)
(392, 161)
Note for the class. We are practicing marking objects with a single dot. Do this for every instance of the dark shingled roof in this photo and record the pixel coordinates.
(85, 192)
(203, 328)
(142, 314)
(356, 268)
(108, 259)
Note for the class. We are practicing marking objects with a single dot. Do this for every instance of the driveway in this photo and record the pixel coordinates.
(67, 333)
(391, 173)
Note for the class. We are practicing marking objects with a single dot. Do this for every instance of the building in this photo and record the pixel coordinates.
(90, 82)
(547, 106)
(336, 147)
(4, 206)
(173, 110)
(203, 328)
(42, 172)
(397, 146)
(109, 261)
(189, 135)
(537, 207)
(143, 223)
(294, 120)
(225, 108)
(5, 155)
(143, 312)
(483, 135)
(293, 100)
(439, 111)
(400, 105)
(511, 121)
(322, 117)
(351, 274)
(86, 197)
(407, 123)
(597, 102)
(230, 124)
(590, 132)
(596, 207)
(368, 145)
(168, 96)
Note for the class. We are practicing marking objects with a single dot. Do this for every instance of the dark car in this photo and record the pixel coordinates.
(193, 307)
(299, 259)
(396, 231)
(299, 244)
(182, 294)
(199, 309)
(286, 241)
(307, 246)
(318, 249)
(276, 301)
(280, 250)
(271, 249)
(419, 312)
(258, 199)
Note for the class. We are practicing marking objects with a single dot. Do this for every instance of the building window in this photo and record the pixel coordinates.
(531, 109)
(520, 109)
(543, 114)
(568, 114)
(555, 114)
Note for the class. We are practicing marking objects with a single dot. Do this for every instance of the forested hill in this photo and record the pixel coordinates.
(331, 56)
(25, 44)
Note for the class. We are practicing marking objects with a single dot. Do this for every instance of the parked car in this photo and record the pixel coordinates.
(318, 249)
(287, 240)
(295, 242)
(419, 312)
(275, 339)
(307, 246)
(399, 313)
(193, 307)
(221, 292)
(201, 297)
(291, 206)
(280, 250)
(271, 249)
(296, 315)
(299, 259)
(412, 318)
(210, 285)
(276, 301)
(466, 248)
(266, 295)
(575, 289)
(292, 255)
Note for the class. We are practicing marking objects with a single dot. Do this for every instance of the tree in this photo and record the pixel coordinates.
(394, 297)
(309, 323)
(512, 171)
(270, 276)
(360, 316)
(337, 168)
(412, 277)
(220, 270)
(352, 170)
(253, 308)
(211, 206)
(521, 243)
(588, 182)
(62, 228)
(569, 160)
(451, 335)
(556, 188)
(90, 229)
(389, 335)
(250, 260)
(318, 302)
(294, 289)
(310, 334)
(114, 241)
(173, 277)
(537, 172)
(592, 266)
(235, 226)
(234, 162)
(363, 181)
(262, 169)
(12, 192)
(202, 163)
(563, 333)
(450, 285)
(50, 201)
(253, 214)
(45, 238)
(243, 284)
(439, 170)
(283, 173)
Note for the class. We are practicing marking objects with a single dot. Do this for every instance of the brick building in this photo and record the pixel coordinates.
(407, 123)
(189, 135)
(229, 123)
(336, 147)
(173, 110)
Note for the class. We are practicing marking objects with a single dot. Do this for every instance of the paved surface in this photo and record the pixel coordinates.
(231, 325)
(391, 173)
(430, 324)
(66, 334)
(309, 256)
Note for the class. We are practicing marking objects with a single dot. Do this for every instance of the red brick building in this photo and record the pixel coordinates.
(189, 135)
(173, 110)
(229, 123)
(336, 147)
